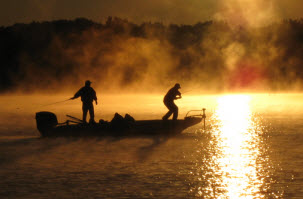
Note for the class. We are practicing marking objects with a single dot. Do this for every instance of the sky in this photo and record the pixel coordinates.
(253, 12)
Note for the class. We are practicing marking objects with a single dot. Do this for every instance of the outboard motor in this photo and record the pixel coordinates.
(45, 122)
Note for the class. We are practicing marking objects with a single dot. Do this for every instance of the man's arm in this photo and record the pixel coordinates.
(178, 96)
(77, 94)
(95, 97)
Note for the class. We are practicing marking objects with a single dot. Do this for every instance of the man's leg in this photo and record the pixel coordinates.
(91, 113)
(168, 114)
(176, 111)
(84, 109)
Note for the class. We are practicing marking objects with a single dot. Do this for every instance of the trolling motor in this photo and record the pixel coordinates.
(203, 115)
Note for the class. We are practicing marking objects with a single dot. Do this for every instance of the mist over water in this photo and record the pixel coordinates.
(252, 148)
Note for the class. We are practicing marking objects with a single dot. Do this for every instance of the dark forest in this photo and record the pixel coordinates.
(118, 54)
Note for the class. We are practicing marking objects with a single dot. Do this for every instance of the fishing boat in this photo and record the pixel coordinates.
(48, 126)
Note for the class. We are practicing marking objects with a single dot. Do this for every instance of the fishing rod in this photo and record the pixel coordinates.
(72, 117)
(56, 102)
(187, 91)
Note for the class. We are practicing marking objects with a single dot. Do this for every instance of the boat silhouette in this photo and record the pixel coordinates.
(48, 126)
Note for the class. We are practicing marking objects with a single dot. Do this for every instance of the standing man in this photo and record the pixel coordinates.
(88, 95)
(168, 100)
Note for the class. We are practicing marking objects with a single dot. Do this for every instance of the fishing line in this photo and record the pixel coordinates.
(56, 102)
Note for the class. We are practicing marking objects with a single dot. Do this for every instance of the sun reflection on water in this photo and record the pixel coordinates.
(231, 164)
(238, 144)
(233, 158)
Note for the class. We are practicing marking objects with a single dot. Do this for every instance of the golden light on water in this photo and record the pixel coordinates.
(237, 145)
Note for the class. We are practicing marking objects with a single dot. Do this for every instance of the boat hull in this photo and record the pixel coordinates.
(138, 128)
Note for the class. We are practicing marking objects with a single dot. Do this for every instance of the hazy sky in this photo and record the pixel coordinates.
(167, 11)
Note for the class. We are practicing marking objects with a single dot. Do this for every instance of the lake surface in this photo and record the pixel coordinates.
(252, 148)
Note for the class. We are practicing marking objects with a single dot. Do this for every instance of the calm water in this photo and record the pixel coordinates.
(252, 148)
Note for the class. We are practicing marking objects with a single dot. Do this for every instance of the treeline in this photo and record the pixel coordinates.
(212, 55)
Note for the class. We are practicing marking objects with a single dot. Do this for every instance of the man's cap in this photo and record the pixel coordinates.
(177, 85)
(88, 82)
